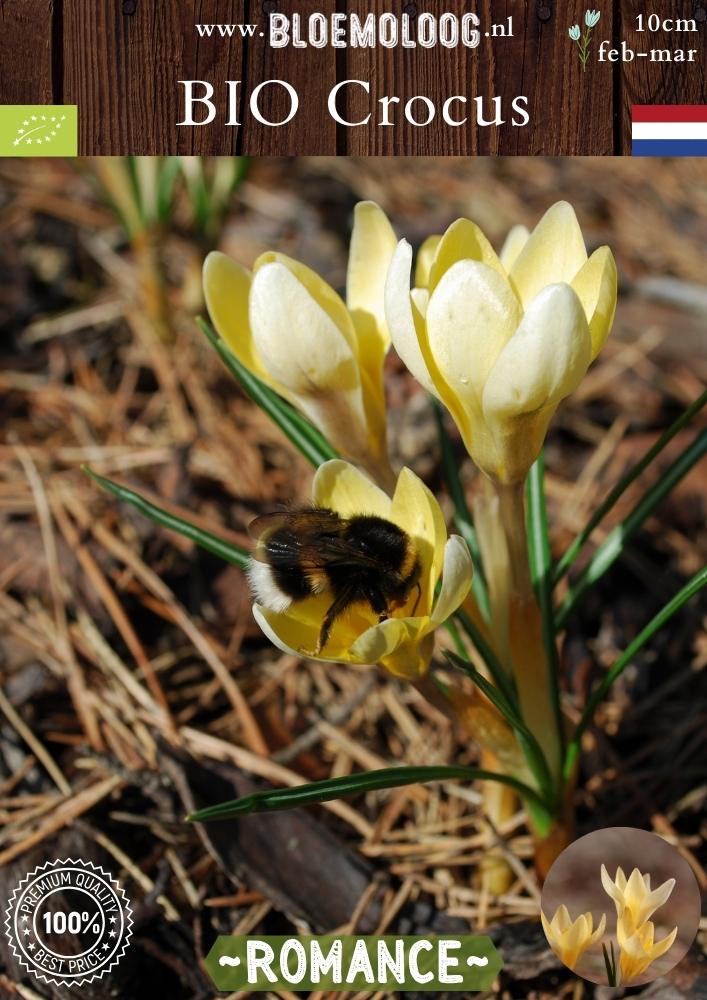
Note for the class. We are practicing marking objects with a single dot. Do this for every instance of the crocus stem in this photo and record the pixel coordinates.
(528, 655)
(500, 803)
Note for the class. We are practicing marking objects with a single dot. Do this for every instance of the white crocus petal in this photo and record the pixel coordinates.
(471, 316)
(596, 285)
(462, 241)
(554, 252)
(372, 245)
(544, 361)
(260, 614)
(341, 487)
(306, 352)
(425, 257)
(383, 639)
(514, 243)
(299, 343)
(401, 320)
(421, 300)
(226, 291)
(456, 580)
(611, 888)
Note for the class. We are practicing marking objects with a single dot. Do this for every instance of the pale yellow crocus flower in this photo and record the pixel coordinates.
(637, 946)
(292, 330)
(634, 895)
(568, 938)
(501, 340)
(404, 642)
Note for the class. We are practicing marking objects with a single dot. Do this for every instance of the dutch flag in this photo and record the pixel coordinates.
(669, 129)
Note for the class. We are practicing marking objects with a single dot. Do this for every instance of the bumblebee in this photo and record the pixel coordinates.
(363, 559)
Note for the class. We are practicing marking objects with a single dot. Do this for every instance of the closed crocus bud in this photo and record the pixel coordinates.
(293, 331)
(575, 32)
(637, 946)
(403, 642)
(568, 938)
(634, 895)
(501, 340)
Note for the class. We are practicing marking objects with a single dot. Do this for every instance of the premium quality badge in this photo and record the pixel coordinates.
(68, 922)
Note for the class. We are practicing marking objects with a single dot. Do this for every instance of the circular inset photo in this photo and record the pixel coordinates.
(620, 907)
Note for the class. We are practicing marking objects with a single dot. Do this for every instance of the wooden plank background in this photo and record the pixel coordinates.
(121, 60)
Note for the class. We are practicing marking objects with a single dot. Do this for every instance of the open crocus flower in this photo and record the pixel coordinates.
(638, 947)
(402, 643)
(634, 895)
(501, 340)
(292, 330)
(568, 938)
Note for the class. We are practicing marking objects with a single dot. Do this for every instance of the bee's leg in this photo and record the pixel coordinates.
(378, 603)
(340, 605)
(417, 599)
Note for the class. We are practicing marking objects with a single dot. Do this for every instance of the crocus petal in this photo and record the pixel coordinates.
(660, 947)
(513, 244)
(383, 639)
(546, 358)
(372, 246)
(598, 933)
(420, 300)
(297, 630)
(462, 241)
(297, 340)
(456, 580)
(399, 314)
(471, 316)
(415, 510)
(226, 291)
(341, 487)
(575, 940)
(425, 257)
(611, 888)
(596, 284)
(554, 252)
(322, 293)
(562, 919)
(658, 897)
(398, 644)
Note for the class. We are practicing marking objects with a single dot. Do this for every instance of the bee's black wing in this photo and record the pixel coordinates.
(311, 538)
(289, 534)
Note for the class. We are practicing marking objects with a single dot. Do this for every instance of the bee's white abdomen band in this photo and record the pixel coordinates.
(265, 589)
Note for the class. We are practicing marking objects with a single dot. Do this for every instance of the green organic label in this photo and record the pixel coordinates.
(38, 130)
(328, 962)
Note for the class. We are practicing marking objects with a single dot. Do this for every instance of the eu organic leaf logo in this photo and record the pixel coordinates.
(39, 130)
(583, 39)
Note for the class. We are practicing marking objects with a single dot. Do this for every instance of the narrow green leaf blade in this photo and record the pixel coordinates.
(617, 492)
(306, 438)
(541, 573)
(698, 581)
(529, 745)
(462, 514)
(212, 543)
(502, 680)
(353, 784)
(615, 542)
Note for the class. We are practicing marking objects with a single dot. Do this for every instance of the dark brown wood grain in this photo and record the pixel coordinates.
(26, 30)
(311, 72)
(122, 62)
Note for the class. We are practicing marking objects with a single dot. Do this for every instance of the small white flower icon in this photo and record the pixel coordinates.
(574, 32)
(591, 18)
